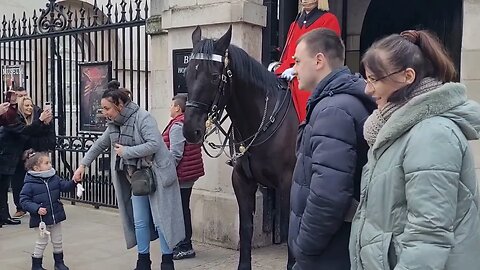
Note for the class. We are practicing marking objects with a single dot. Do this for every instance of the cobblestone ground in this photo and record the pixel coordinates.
(93, 240)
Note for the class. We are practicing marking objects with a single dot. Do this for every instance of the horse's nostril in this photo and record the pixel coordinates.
(198, 133)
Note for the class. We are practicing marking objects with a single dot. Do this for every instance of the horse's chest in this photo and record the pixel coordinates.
(263, 171)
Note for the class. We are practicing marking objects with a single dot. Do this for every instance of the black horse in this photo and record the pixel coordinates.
(222, 76)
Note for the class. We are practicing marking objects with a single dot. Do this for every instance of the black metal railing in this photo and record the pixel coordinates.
(51, 44)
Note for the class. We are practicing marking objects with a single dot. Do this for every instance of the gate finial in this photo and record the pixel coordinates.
(53, 18)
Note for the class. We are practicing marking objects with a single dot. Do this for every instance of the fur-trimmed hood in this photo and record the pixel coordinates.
(449, 101)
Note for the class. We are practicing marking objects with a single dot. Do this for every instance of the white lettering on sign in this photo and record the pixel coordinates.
(11, 71)
(186, 59)
(181, 70)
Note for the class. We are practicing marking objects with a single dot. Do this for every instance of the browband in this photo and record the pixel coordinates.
(212, 57)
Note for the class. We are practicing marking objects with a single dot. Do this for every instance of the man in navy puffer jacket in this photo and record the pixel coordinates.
(331, 152)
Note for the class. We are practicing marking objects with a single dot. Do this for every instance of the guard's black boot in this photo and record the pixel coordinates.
(37, 264)
(59, 264)
(167, 262)
(143, 262)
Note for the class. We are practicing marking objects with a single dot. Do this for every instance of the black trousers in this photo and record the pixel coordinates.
(17, 184)
(187, 218)
(4, 184)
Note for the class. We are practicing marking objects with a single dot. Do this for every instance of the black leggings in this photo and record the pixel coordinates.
(187, 218)
(17, 185)
(4, 184)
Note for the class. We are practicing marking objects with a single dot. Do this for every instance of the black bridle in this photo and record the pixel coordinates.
(216, 109)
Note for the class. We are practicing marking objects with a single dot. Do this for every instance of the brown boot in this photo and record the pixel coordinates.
(19, 214)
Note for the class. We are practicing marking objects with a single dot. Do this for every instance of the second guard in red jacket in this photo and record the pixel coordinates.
(314, 15)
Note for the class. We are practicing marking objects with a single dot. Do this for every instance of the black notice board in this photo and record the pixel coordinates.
(181, 58)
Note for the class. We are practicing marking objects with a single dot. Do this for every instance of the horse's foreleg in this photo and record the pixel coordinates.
(284, 193)
(245, 193)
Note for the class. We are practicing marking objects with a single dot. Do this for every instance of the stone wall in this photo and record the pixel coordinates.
(213, 204)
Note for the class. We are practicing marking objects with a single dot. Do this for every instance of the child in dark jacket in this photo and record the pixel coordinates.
(40, 196)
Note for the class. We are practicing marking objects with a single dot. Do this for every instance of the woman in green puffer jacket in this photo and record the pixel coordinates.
(419, 205)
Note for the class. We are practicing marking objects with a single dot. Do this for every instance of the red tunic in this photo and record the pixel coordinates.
(314, 20)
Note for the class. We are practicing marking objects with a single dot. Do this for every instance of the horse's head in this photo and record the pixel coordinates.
(207, 82)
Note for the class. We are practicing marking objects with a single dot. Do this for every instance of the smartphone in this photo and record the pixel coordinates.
(47, 106)
(8, 96)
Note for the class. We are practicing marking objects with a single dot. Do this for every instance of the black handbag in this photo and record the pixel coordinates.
(143, 182)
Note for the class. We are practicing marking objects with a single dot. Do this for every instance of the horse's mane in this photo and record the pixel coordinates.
(244, 67)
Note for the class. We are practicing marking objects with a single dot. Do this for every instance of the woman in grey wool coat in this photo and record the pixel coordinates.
(136, 141)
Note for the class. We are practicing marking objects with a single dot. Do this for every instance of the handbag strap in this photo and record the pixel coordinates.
(136, 130)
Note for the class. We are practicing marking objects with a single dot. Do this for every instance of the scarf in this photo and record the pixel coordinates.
(43, 174)
(124, 130)
(379, 117)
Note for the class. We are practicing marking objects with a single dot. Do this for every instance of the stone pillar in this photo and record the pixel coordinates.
(471, 48)
(469, 74)
(214, 208)
(356, 11)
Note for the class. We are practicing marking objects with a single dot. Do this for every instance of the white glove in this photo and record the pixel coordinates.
(288, 74)
(273, 66)
(80, 190)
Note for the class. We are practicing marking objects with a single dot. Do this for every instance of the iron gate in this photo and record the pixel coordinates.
(51, 44)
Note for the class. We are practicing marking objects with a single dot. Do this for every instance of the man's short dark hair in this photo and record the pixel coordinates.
(180, 100)
(325, 41)
(20, 89)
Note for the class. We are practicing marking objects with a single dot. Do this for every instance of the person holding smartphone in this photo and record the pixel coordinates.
(13, 138)
(8, 109)
(8, 114)
(43, 141)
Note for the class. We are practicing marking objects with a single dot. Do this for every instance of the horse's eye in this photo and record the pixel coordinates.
(216, 78)
(190, 72)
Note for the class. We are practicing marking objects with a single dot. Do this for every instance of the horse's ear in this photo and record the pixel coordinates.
(223, 43)
(196, 35)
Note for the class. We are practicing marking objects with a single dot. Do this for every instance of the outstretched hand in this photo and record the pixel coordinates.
(78, 175)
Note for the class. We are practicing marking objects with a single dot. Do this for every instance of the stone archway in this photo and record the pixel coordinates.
(444, 17)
